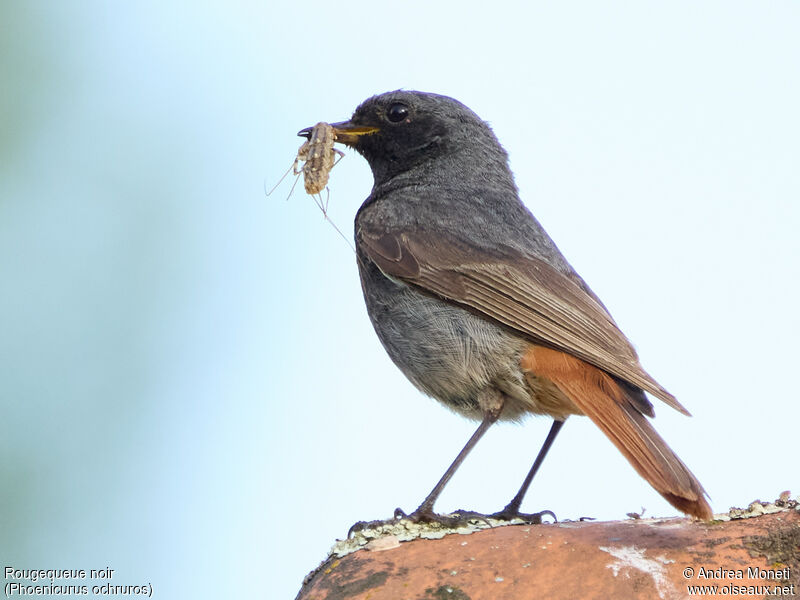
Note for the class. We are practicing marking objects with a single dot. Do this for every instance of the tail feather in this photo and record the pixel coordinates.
(606, 403)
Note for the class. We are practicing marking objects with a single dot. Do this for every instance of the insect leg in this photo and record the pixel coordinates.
(294, 185)
(323, 206)
(279, 181)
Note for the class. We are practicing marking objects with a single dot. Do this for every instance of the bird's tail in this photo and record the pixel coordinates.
(601, 398)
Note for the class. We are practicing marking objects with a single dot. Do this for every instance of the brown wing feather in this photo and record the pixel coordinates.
(519, 291)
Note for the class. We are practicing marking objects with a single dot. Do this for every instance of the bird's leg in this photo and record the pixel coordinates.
(511, 510)
(491, 404)
(425, 510)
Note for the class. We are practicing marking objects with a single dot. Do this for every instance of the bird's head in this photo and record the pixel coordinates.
(402, 130)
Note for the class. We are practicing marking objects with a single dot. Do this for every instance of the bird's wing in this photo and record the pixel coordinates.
(519, 291)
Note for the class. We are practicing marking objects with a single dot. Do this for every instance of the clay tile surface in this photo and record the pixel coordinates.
(753, 554)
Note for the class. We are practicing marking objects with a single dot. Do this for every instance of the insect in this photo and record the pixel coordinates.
(318, 153)
(319, 157)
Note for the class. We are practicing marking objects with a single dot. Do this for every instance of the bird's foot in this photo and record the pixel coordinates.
(455, 519)
(511, 514)
(422, 515)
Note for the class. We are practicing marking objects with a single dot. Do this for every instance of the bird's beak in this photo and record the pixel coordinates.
(345, 132)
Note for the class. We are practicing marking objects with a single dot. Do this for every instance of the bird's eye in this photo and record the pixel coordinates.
(397, 112)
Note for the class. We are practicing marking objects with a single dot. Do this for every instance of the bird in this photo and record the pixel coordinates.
(477, 306)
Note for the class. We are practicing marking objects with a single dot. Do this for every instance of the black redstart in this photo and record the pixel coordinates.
(475, 303)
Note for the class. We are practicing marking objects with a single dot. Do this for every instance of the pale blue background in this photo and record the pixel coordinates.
(191, 392)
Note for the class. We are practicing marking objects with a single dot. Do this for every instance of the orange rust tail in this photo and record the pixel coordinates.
(607, 404)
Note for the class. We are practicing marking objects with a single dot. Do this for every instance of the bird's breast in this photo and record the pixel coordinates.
(446, 351)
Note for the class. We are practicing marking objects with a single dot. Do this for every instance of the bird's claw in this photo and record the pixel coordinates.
(422, 515)
(529, 518)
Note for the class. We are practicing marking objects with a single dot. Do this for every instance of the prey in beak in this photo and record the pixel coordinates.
(344, 132)
(318, 157)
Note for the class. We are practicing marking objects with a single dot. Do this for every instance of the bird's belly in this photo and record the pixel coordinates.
(446, 351)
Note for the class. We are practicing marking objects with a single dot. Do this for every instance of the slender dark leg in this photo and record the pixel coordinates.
(426, 508)
(512, 508)
(425, 511)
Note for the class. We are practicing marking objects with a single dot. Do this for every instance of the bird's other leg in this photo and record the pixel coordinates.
(511, 511)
